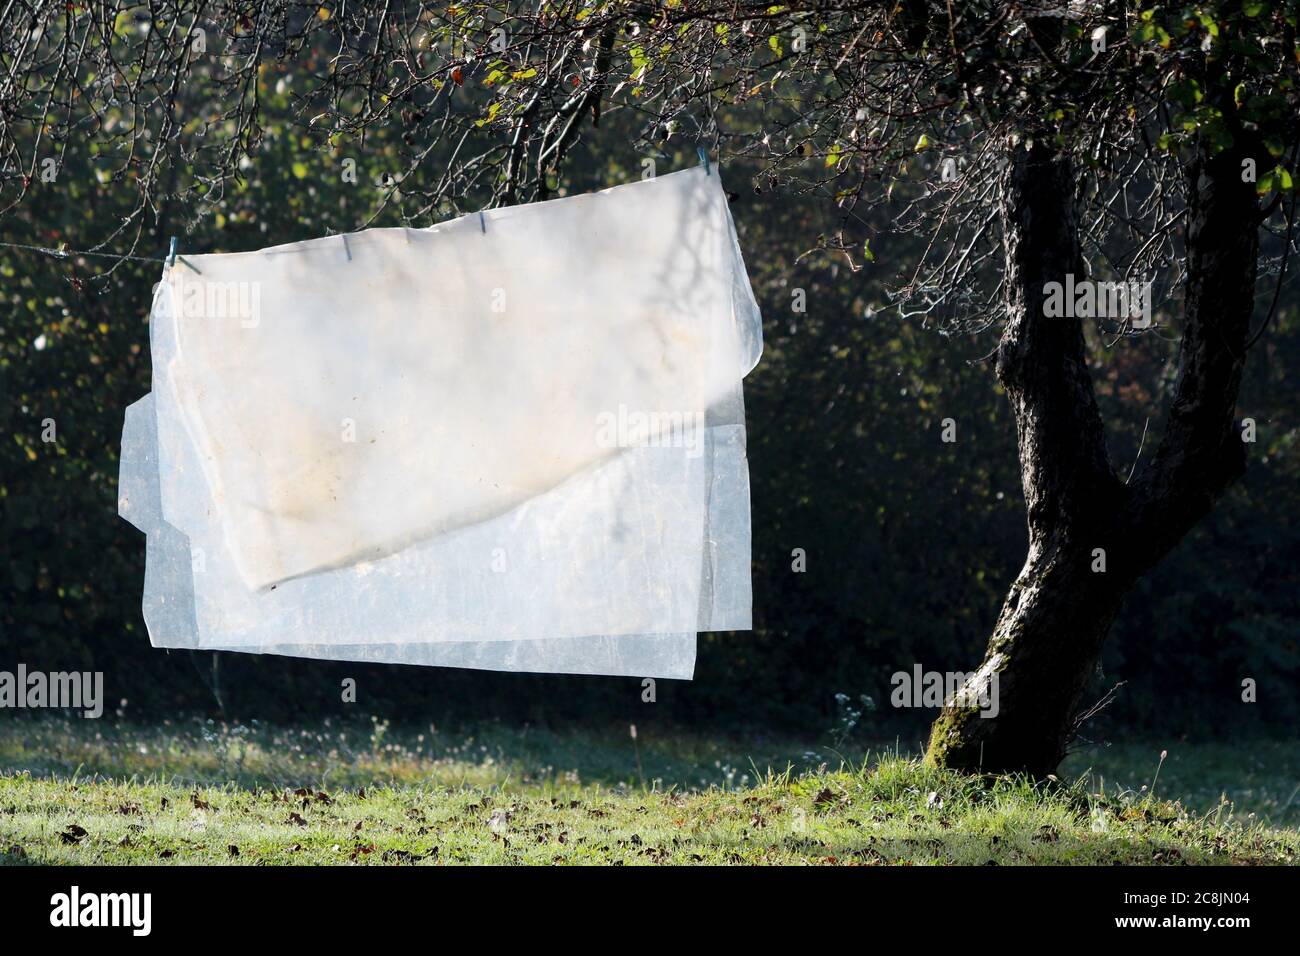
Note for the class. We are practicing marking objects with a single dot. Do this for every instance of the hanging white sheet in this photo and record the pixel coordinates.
(513, 441)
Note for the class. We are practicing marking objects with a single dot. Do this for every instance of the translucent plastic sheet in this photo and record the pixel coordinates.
(513, 441)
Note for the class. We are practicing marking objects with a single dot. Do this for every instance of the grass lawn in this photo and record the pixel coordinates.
(97, 792)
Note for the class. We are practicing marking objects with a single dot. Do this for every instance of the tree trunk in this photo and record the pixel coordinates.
(1090, 535)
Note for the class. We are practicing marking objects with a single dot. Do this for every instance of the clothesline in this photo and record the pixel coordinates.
(69, 254)
(171, 256)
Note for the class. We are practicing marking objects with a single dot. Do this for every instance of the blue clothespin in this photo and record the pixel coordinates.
(172, 258)
(704, 159)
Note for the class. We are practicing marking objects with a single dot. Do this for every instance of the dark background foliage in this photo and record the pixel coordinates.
(910, 542)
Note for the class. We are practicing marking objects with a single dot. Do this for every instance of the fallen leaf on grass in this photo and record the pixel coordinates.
(400, 856)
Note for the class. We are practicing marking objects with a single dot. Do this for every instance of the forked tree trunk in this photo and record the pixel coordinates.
(1049, 635)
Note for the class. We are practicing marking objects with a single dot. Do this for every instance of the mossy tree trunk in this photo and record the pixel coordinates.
(1049, 635)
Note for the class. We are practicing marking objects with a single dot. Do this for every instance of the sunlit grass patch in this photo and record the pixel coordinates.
(79, 792)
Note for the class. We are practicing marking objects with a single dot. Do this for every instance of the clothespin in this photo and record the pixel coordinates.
(172, 258)
(704, 159)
